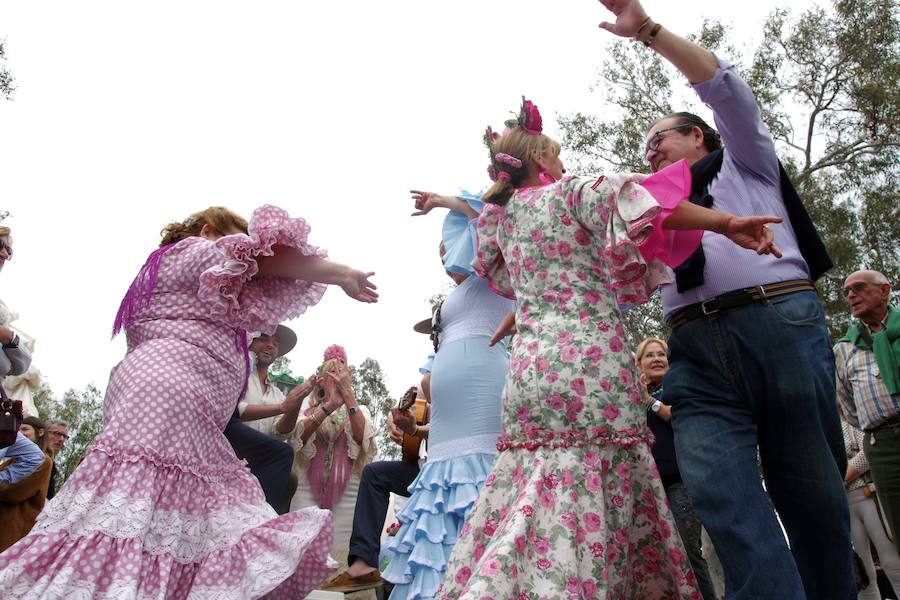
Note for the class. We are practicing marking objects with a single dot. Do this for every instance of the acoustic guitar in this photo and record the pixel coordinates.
(419, 408)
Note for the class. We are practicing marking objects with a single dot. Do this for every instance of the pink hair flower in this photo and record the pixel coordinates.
(530, 118)
(335, 351)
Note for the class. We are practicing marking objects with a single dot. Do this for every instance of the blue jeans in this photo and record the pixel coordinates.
(762, 375)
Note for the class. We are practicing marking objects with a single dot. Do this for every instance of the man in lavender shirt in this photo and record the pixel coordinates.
(751, 363)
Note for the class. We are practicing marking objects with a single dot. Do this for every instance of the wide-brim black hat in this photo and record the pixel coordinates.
(423, 326)
(287, 339)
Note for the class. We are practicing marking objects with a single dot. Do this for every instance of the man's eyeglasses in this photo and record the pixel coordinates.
(7, 248)
(59, 434)
(654, 142)
(857, 287)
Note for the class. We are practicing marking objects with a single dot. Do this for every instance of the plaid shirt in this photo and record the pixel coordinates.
(861, 391)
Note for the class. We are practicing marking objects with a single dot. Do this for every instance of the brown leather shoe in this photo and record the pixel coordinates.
(345, 583)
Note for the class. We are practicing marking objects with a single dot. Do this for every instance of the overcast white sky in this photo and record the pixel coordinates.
(129, 115)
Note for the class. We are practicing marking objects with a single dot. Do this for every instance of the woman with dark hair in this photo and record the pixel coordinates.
(161, 507)
(36, 431)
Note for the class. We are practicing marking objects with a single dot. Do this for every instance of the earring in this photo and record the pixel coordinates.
(546, 177)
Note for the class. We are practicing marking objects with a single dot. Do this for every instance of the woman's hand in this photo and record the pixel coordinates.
(6, 334)
(665, 412)
(356, 284)
(753, 234)
(425, 201)
(333, 399)
(645, 392)
(507, 327)
(342, 379)
(629, 16)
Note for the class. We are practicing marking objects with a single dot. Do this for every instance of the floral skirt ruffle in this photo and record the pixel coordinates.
(132, 524)
(441, 497)
(574, 522)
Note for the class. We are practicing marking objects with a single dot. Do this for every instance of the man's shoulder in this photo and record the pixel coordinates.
(843, 348)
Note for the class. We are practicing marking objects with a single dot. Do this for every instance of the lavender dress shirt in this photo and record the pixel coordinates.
(748, 184)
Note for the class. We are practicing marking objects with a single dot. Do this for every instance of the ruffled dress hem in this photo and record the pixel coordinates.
(440, 498)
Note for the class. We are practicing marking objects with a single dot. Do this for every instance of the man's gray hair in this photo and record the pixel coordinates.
(875, 277)
(55, 422)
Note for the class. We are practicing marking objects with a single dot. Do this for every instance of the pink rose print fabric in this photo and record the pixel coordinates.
(161, 508)
(573, 508)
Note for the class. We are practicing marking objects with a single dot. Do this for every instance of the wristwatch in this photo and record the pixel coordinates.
(351, 410)
(656, 406)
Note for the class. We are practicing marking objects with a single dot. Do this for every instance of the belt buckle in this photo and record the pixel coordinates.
(706, 311)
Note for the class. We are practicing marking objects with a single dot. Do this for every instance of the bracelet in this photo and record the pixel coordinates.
(652, 35)
(639, 29)
(316, 418)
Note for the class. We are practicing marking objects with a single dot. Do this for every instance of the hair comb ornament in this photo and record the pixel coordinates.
(507, 159)
(492, 172)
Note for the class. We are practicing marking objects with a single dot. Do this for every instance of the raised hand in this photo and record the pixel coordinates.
(753, 234)
(629, 16)
(425, 201)
(357, 285)
(342, 377)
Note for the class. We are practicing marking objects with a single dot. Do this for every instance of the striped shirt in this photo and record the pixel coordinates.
(861, 391)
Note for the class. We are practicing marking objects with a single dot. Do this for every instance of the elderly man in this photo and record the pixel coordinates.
(751, 360)
(867, 362)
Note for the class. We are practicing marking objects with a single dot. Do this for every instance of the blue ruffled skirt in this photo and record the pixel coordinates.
(441, 497)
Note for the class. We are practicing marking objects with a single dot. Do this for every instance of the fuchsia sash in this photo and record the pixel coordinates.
(329, 470)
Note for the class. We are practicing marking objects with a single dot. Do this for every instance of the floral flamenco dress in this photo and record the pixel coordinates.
(574, 507)
(160, 507)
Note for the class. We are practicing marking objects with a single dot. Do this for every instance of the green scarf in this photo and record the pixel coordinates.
(885, 344)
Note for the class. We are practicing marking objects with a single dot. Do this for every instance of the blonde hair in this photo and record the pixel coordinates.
(217, 217)
(642, 347)
(520, 145)
(317, 392)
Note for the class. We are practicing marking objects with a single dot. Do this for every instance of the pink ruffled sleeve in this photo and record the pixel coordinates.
(259, 304)
(630, 214)
(489, 262)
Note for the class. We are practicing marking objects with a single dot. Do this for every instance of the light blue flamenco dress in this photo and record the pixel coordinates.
(467, 380)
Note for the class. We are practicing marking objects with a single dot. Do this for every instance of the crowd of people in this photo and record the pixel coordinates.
(746, 457)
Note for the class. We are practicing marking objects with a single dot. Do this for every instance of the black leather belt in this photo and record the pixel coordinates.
(888, 424)
(737, 298)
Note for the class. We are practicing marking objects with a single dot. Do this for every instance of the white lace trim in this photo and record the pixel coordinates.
(266, 572)
(476, 444)
(187, 538)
